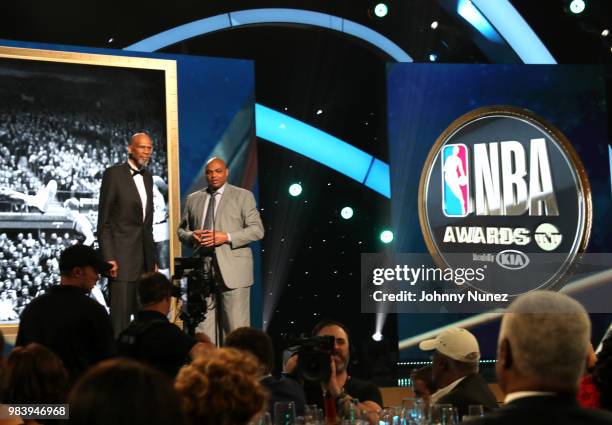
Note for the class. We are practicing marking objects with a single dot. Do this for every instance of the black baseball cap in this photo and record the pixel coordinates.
(81, 256)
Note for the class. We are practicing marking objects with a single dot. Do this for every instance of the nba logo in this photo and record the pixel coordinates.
(455, 180)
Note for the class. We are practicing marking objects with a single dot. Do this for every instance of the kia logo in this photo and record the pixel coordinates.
(512, 259)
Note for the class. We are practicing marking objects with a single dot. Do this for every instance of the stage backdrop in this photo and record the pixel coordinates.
(63, 123)
(424, 99)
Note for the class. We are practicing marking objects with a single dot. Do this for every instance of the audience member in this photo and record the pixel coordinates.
(66, 320)
(422, 383)
(221, 389)
(260, 345)
(341, 389)
(34, 375)
(151, 337)
(542, 350)
(455, 371)
(124, 392)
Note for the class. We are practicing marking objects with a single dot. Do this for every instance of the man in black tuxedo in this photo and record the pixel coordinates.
(541, 355)
(455, 371)
(125, 227)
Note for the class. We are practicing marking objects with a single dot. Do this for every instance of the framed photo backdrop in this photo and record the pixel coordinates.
(64, 118)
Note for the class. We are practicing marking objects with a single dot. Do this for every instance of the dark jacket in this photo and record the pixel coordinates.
(473, 389)
(284, 390)
(545, 410)
(72, 325)
(122, 233)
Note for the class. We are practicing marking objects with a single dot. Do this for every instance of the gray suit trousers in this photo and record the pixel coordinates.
(235, 309)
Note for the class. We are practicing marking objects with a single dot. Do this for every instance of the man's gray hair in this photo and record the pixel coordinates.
(548, 334)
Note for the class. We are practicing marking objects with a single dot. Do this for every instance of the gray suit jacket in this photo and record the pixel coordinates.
(237, 215)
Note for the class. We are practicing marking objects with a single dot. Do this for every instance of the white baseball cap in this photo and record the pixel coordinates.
(456, 343)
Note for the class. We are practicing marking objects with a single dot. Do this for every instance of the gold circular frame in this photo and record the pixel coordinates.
(584, 187)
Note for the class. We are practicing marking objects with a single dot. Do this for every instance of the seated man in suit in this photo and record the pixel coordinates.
(260, 345)
(541, 354)
(455, 371)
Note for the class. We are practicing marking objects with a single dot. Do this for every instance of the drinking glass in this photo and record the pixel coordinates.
(284, 413)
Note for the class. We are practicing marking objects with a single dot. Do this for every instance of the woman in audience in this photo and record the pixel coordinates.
(34, 375)
(124, 392)
(221, 389)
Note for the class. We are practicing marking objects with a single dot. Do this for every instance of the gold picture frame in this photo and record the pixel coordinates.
(169, 67)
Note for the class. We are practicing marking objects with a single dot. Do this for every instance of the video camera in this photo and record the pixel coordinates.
(314, 355)
(200, 285)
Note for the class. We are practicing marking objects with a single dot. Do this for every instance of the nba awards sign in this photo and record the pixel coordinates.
(505, 190)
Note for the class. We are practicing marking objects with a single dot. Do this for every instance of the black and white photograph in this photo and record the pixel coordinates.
(61, 126)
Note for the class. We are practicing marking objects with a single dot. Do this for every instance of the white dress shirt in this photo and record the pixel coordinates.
(142, 191)
(522, 394)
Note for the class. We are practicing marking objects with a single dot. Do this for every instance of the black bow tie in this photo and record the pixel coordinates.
(136, 172)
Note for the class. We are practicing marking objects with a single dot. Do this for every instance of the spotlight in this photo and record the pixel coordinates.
(577, 6)
(433, 57)
(377, 336)
(381, 10)
(386, 236)
(346, 213)
(295, 189)
(605, 33)
(434, 25)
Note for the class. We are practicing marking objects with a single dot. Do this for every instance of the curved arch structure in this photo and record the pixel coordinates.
(270, 16)
(308, 141)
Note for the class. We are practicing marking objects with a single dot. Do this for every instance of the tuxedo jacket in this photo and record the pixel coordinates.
(123, 235)
(237, 215)
(473, 389)
(545, 410)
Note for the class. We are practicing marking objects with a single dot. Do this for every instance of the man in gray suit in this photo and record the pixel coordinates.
(223, 233)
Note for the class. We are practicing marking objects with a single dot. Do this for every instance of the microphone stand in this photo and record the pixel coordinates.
(216, 292)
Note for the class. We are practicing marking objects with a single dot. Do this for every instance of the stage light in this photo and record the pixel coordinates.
(433, 57)
(319, 112)
(346, 213)
(577, 6)
(434, 25)
(605, 33)
(377, 336)
(386, 236)
(381, 10)
(295, 189)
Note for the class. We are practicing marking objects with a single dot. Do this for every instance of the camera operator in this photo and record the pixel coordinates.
(151, 337)
(341, 389)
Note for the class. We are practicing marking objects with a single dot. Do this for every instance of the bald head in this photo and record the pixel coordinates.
(216, 173)
(140, 149)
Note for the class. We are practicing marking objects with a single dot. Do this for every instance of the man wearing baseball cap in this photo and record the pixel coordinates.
(455, 371)
(65, 319)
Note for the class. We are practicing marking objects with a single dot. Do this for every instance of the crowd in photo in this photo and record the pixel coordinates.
(71, 148)
(154, 373)
(29, 264)
(49, 136)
